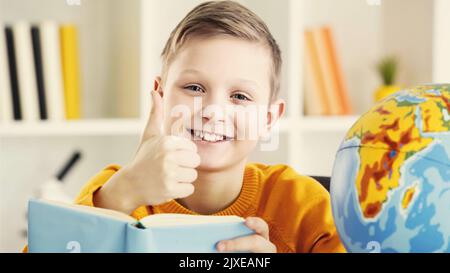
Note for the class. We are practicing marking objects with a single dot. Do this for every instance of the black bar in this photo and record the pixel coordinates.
(62, 173)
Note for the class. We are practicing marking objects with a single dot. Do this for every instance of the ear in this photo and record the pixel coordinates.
(275, 112)
(157, 85)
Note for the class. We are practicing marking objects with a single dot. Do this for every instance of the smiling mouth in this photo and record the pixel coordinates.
(208, 137)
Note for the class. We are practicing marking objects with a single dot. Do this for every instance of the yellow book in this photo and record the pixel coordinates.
(71, 72)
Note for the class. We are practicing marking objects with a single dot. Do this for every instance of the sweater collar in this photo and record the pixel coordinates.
(239, 207)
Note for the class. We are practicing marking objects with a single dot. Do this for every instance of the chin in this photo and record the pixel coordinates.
(213, 161)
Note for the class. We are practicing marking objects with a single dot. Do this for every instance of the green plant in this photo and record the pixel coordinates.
(387, 68)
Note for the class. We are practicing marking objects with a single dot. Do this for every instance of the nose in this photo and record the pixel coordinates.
(213, 113)
(214, 108)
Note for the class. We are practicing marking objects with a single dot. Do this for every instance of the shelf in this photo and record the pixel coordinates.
(94, 127)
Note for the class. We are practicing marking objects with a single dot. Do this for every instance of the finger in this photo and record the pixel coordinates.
(173, 143)
(258, 225)
(183, 190)
(185, 158)
(185, 175)
(254, 243)
(155, 119)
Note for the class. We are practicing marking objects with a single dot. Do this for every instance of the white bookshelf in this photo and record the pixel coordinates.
(120, 46)
(363, 36)
(115, 92)
(94, 127)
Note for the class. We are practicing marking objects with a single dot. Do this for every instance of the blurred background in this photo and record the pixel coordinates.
(339, 58)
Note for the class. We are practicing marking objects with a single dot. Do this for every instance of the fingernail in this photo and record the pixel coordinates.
(221, 246)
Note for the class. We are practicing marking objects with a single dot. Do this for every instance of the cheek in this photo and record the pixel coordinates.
(178, 108)
(251, 125)
(246, 146)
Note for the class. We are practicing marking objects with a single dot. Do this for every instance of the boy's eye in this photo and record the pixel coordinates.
(195, 88)
(240, 96)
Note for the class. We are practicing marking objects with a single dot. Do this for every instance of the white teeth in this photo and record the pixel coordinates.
(209, 137)
(205, 136)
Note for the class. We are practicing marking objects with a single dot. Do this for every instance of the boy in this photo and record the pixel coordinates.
(222, 55)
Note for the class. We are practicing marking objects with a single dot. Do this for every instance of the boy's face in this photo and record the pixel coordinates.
(221, 88)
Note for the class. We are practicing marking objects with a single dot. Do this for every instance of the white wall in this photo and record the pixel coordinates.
(30, 161)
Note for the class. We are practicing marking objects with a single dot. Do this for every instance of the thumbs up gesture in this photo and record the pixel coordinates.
(162, 169)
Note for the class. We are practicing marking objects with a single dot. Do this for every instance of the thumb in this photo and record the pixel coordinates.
(155, 119)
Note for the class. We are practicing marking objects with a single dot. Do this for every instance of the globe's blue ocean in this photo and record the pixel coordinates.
(424, 226)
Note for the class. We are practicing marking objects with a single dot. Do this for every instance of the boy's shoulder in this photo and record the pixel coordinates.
(284, 181)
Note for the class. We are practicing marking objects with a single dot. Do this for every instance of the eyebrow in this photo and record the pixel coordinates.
(241, 80)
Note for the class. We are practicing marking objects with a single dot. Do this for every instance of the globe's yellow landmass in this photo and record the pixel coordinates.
(386, 145)
(408, 196)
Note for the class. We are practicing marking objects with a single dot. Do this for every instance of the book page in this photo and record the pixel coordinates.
(174, 219)
(92, 210)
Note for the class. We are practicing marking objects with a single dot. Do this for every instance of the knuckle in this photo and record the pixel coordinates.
(193, 174)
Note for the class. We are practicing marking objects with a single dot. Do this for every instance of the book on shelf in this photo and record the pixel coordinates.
(25, 71)
(14, 81)
(336, 72)
(52, 70)
(60, 227)
(39, 72)
(316, 102)
(70, 68)
(325, 89)
(38, 66)
(6, 112)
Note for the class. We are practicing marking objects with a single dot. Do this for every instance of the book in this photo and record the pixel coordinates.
(316, 102)
(14, 81)
(6, 112)
(336, 72)
(51, 61)
(59, 227)
(70, 68)
(327, 71)
(26, 72)
(38, 66)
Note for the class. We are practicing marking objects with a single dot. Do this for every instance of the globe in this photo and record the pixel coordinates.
(390, 185)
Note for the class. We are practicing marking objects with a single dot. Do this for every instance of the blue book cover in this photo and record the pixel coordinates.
(59, 227)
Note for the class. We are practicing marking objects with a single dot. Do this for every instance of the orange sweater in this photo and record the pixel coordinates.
(296, 208)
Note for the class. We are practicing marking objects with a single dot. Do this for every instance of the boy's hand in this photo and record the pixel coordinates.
(162, 169)
(257, 243)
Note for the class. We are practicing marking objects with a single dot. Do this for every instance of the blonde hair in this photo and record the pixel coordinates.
(215, 18)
